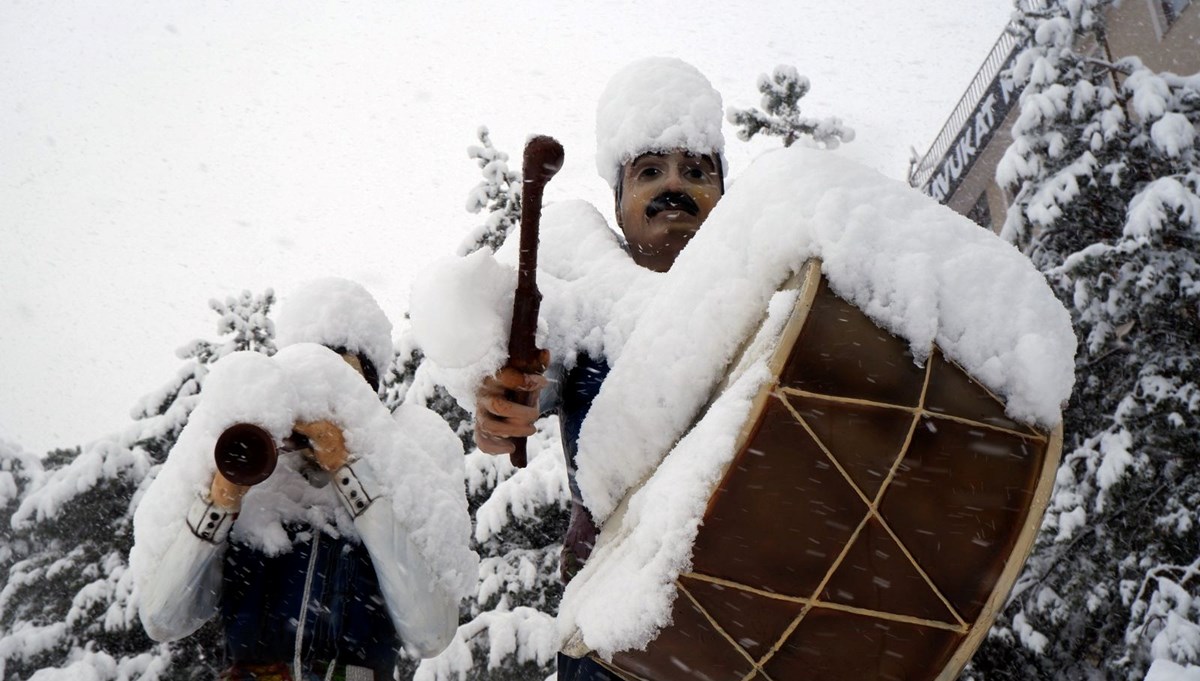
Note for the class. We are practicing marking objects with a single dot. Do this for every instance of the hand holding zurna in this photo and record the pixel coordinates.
(328, 445)
(324, 444)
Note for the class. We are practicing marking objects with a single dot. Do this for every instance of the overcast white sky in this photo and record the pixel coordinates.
(155, 155)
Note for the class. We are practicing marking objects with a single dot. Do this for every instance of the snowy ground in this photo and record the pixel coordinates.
(157, 155)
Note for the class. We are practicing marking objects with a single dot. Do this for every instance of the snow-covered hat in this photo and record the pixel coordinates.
(656, 104)
(337, 313)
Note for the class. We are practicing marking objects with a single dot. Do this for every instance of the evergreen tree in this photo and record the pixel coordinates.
(1107, 166)
(781, 93)
(67, 609)
(499, 194)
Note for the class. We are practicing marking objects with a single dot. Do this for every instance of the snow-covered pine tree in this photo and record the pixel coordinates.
(499, 194)
(1107, 166)
(66, 607)
(781, 93)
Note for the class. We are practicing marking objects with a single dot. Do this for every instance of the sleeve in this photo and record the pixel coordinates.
(551, 396)
(184, 591)
(424, 613)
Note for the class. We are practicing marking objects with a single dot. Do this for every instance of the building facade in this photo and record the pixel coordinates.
(959, 169)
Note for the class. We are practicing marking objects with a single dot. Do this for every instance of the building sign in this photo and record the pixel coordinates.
(975, 135)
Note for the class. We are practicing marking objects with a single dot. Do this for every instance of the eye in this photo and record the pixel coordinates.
(649, 172)
(695, 173)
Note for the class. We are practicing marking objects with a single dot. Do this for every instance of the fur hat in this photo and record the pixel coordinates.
(340, 314)
(658, 104)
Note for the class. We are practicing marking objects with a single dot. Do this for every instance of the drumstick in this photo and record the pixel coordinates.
(543, 158)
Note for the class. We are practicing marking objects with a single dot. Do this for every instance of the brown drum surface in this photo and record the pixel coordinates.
(872, 522)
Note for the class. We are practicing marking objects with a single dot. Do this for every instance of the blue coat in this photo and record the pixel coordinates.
(325, 584)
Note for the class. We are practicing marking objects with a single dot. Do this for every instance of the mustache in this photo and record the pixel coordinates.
(672, 201)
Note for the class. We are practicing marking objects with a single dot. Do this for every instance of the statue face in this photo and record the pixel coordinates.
(354, 362)
(664, 200)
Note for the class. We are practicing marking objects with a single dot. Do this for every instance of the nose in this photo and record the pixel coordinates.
(674, 179)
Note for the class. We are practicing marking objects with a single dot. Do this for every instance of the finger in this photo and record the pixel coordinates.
(502, 407)
(512, 379)
(499, 428)
(491, 445)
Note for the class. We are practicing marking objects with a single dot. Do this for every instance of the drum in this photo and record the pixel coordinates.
(871, 524)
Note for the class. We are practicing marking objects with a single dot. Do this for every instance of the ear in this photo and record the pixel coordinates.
(618, 191)
(716, 161)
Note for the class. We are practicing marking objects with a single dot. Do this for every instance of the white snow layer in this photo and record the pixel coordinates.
(656, 104)
(1166, 670)
(593, 294)
(336, 312)
(414, 457)
(916, 268)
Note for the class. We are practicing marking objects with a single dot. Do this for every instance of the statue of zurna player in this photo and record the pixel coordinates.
(351, 548)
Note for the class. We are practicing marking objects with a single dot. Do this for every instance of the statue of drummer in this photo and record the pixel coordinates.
(315, 573)
(659, 146)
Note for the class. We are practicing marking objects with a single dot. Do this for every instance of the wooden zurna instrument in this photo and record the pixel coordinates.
(246, 454)
(871, 524)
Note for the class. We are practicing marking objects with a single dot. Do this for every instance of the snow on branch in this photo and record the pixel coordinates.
(523, 633)
(781, 116)
(498, 196)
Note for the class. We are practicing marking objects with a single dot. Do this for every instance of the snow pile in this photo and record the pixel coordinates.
(461, 309)
(1166, 670)
(414, 457)
(656, 104)
(592, 296)
(335, 313)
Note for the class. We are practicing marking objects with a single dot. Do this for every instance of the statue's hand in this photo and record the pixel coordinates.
(226, 495)
(506, 407)
(328, 443)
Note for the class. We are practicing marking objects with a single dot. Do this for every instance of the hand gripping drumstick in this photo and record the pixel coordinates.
(543, 158)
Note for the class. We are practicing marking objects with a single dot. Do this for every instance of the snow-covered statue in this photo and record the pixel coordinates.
(816, 417)
(659, 147)
(352, 547)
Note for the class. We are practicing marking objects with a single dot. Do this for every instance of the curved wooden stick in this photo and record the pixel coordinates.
(543, 158)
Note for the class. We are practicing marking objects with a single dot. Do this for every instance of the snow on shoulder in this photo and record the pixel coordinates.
(1166, 670)
(916, 268)
(592, 296)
